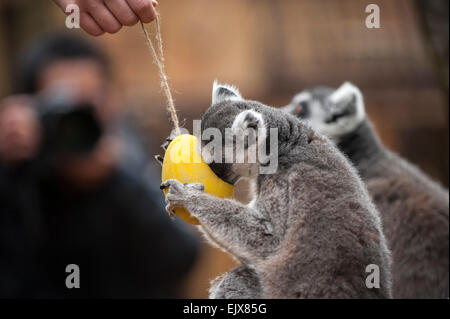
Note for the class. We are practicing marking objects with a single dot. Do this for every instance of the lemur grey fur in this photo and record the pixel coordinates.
(414, 209)
(312, 229)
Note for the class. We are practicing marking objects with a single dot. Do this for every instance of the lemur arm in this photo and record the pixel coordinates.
(240, 229)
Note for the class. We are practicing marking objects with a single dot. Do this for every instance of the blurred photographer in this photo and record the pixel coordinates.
(75, 186)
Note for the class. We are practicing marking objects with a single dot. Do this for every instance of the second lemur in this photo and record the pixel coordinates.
(414, 209)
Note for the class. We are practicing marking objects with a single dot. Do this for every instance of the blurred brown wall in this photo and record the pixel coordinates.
(271, 50)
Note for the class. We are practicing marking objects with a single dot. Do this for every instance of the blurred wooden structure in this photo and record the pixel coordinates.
(271, 50)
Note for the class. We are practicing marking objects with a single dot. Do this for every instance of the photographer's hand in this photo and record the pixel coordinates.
(100, 16)
(19, 130)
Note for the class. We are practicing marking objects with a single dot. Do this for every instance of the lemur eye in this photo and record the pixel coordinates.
(301, 108)
(336, 116)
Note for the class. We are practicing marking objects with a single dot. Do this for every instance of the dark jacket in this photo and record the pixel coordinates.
(119, 235)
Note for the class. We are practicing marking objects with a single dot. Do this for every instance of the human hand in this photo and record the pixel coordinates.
(100, 16)
(19, 130)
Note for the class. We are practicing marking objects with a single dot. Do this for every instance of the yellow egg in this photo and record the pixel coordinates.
(183, 163)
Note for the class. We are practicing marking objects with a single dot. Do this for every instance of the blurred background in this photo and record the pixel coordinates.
(270, 50)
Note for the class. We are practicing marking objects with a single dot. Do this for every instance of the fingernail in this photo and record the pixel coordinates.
(155, 3)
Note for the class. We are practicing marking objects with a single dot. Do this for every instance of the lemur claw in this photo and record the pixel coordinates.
(172, 183)
(159, 159)
(170, 210)
(165, 145)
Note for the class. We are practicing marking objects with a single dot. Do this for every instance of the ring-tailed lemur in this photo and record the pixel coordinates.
(312, 229)
(414, 209)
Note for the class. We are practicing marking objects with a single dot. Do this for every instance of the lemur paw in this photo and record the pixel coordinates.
(159, 159)
(198, 186)
(180, 194)
(164, 146)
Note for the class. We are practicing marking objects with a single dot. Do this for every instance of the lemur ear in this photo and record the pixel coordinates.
(224, 92)
(250, 122)
(347, 101)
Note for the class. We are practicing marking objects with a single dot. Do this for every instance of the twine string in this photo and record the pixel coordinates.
(158, 59)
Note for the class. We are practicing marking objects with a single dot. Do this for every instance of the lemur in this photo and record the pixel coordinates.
(310, 232)
(414, 209)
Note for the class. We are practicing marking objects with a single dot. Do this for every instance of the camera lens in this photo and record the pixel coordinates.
(77, 131)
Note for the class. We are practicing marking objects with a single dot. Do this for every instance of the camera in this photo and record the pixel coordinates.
(69, 127)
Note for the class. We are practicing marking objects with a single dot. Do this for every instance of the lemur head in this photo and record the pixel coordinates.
(332, 112)
(253, 132)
